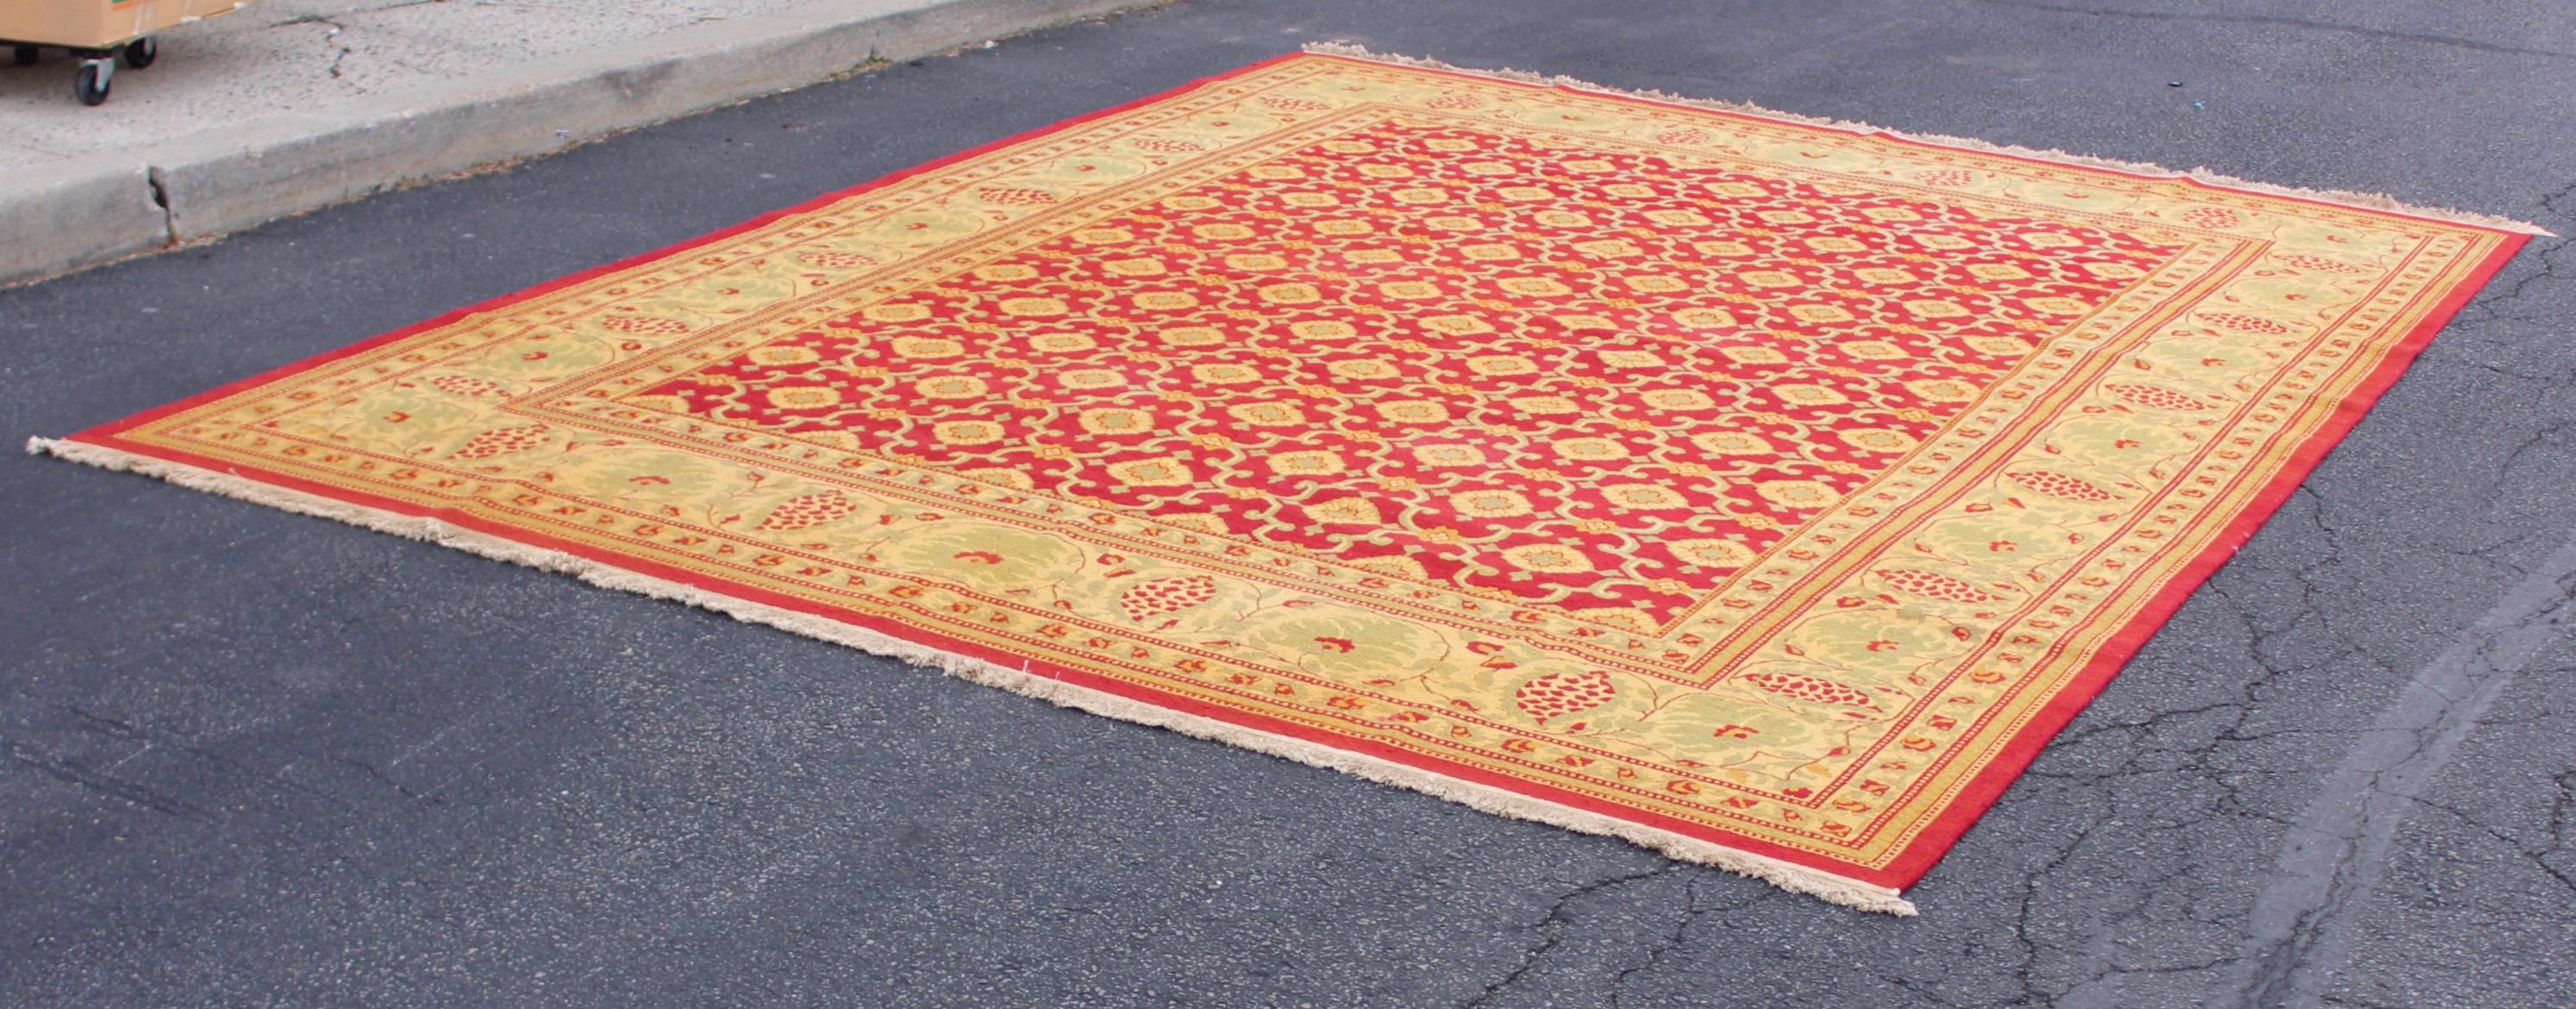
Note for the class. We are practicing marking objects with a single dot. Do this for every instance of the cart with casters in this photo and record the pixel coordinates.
(99, 34)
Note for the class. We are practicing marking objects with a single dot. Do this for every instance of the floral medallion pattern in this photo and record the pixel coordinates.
(1772, 485)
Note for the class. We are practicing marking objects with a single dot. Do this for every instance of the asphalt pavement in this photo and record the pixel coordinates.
(250, 759)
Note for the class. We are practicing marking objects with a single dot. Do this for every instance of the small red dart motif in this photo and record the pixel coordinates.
(1557, 694)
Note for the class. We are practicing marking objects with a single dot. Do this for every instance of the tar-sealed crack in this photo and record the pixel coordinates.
(2335, 854)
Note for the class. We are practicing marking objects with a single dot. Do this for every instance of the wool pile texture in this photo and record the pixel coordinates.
(1762, 490)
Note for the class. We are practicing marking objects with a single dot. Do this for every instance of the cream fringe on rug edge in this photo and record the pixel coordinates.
(2358, 200)
(1788, 876)
(1837, 889)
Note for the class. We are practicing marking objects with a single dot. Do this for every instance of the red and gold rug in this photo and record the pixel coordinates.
(1761, 490)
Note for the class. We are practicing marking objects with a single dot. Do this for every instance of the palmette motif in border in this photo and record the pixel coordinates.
(1826, 706)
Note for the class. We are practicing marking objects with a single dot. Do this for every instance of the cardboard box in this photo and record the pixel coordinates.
(100, 24)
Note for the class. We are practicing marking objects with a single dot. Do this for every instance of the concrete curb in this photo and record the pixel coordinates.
(87, 210)
(95, 209)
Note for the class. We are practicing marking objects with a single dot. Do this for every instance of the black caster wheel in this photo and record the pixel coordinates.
(141, 52)
(91, 83)
(24, 56)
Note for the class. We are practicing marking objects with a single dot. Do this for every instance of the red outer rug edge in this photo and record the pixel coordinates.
(2008, 764)
(1917, 858)
(1903, 137)
(514, 297)
(918, 635)
(106, 435)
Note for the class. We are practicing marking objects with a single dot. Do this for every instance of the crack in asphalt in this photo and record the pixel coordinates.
(2334, 854)
(1670, 941)
(2383, 787)
(1551, 929)
(2537, 856)
(2490, 307)
(387, 780)
(2195, 742)
(90, 779)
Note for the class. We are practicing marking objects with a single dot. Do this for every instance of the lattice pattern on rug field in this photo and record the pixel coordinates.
(1762, 491)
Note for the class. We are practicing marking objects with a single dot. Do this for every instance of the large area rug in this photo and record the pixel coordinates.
(1762, 490)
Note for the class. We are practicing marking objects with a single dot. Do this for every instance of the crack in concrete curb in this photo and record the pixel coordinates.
(99, 208)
